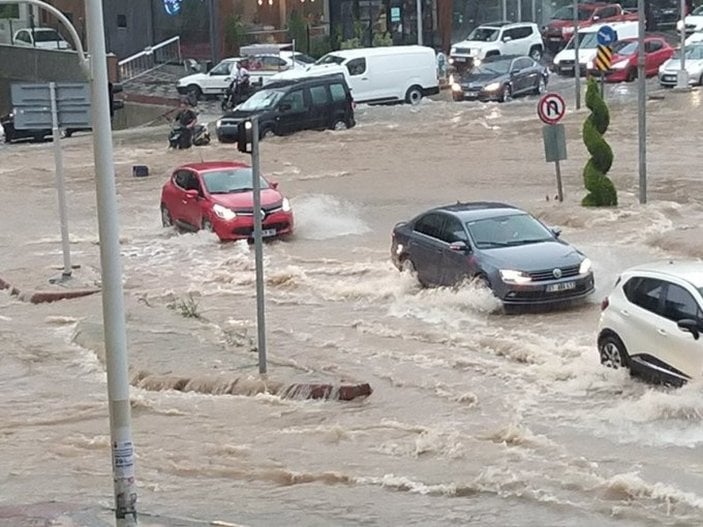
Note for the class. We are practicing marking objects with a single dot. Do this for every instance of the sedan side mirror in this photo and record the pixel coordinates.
(285, 107)
(690, 325)
(274, 184)
(459, 247)
(192, 194)
(556, 231)
(507, 39)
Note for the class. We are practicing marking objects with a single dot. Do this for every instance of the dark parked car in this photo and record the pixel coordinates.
(287, 106)
(506, 248)
(501, 78)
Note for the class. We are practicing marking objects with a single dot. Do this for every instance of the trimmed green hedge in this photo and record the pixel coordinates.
(601, 191)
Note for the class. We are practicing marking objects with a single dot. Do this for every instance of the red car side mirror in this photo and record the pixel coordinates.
(274, 184)
(192, 194)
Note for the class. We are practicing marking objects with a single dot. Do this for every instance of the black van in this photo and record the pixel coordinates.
(286, 106)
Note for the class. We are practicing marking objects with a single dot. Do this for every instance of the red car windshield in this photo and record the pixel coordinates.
(230, 180)
(567, 13)
(625, 48)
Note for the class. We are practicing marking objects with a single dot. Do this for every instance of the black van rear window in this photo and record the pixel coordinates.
(338, 92)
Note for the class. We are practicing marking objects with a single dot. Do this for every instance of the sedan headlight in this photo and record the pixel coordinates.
(518, 277)
(585, 266)
(218, 124)
(621, 65)
(456, 87)
(223, 212)
(285, 205)
(492, 86)
(589, 65)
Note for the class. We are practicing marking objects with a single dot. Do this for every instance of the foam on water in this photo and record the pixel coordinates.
(320, 217)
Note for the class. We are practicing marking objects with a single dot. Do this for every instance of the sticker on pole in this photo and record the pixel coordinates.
(551, 108)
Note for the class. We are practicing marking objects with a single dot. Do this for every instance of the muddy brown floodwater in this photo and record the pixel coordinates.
(477, 418)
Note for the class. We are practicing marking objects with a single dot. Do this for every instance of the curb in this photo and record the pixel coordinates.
(327, 391)
(45, 297)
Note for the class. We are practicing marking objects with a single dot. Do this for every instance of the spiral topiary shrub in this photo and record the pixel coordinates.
(601, 191)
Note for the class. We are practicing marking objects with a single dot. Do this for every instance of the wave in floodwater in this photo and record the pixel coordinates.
(320, 217)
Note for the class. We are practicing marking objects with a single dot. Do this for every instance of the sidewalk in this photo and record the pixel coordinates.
(57, 514)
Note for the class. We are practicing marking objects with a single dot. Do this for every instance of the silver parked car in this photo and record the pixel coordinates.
(513, 253)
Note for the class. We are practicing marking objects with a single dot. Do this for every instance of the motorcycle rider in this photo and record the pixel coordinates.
(238, 87)
(186, 119)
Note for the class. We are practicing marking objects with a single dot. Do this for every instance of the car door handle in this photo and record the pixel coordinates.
(364, 78)
(625, 312)
(661, 331)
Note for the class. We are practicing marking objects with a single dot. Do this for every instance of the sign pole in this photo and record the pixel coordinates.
(258, 246)
(641, 105)
(550, 109)
(560, 189)
(577, 64)
(123, 474)
(60, 186)
(682, 77)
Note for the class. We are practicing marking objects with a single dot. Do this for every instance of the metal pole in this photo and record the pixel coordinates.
(258, 247)
(577, 65)
(560, 189)
(110, 261)
(60, 187)
(214, 35)
(519, 10)
(641, 103)
(682, 77)
(504, 10)
(534, 11)
(419, 22)
(602, 84)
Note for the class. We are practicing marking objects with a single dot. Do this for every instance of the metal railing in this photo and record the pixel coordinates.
(152, 58)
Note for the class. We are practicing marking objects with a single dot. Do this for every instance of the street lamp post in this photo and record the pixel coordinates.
(110, 259)
(682, 77)
(577, 64)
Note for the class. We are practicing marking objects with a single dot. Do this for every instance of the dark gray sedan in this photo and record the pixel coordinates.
(506, 248)
(500, 78)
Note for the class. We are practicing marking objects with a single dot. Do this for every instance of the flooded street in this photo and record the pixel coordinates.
(477, 417)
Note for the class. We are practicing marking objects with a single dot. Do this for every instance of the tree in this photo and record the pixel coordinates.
(601, 191)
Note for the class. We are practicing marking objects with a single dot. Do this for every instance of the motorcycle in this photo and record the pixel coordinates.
(236, 94)
(182, 137)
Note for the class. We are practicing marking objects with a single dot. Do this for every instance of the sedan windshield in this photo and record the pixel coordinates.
(499, 67)
(692, 52)
(230, 180)
(330, 58)
(625, 47)
(484, 34)
(505, 231)
(567, 13)
(586, 41)
(46, 35)
(261, 100)
(302, 58)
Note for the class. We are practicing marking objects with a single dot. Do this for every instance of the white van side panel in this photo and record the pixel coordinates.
(389, 76)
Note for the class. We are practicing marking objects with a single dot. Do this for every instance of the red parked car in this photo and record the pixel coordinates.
(623, 66)
(217, 196)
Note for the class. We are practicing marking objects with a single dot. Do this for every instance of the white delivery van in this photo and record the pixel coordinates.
(564, 61)
(379, 75)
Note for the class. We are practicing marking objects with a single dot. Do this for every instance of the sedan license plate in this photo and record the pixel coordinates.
(564, 286)
(267, 233)
(460, 59)
(555, 39)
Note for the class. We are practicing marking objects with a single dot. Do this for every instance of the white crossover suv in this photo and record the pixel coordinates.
(502, 38)
(652, 322)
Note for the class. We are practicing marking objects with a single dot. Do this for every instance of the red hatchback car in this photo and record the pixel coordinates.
(217, 196)
(623, 65)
